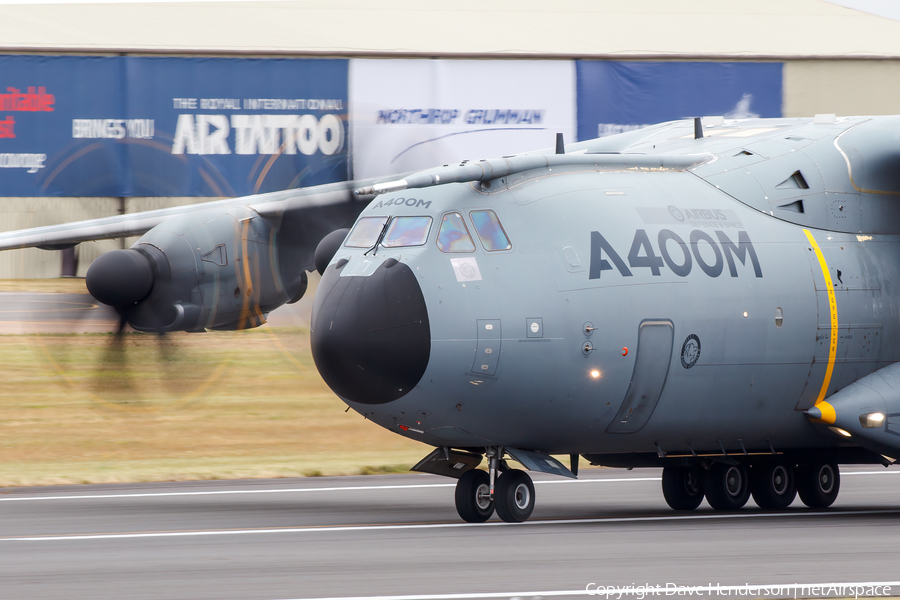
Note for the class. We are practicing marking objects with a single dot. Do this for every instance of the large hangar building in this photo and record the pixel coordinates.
(111, 108)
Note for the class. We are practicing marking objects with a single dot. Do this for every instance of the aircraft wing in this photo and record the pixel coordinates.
(291, 207)
(274, 205)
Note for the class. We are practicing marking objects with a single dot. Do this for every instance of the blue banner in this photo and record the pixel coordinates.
(614, 97)
(137, 126)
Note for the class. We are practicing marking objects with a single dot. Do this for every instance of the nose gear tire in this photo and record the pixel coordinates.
(514, 496)
(473, 497)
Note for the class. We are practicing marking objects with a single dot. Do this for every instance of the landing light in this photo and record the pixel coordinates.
(871, 420)
(840, 431)
(595, 373)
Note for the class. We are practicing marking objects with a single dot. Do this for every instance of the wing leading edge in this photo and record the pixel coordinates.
(273, 205)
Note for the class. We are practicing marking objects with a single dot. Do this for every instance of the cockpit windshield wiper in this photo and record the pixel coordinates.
(374, 249)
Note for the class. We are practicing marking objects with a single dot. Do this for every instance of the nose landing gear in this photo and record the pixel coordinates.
(509, 491)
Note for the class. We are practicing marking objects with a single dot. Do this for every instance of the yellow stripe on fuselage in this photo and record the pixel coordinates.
(828, 414)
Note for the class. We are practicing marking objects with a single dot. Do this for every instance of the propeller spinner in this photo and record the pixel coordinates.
(120, 278)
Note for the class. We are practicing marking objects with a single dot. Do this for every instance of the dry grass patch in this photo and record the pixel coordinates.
(66, 285)
(82, 408)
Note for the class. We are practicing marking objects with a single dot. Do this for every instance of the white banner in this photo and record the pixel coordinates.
(414, 114)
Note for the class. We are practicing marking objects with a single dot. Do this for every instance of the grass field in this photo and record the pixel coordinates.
(84, 408)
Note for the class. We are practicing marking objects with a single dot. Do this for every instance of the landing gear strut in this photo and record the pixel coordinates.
(509, 491)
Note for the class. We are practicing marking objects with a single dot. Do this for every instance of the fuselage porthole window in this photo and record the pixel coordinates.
(490, 231)
(366, 232)
(407, 231)
(454, 235)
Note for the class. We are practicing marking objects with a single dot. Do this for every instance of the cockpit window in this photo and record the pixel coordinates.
(366, 232)
(407, 231)
(490, 230)
(454, 235)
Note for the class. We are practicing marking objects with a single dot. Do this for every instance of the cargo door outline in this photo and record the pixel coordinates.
(651, 369)
(487, 350)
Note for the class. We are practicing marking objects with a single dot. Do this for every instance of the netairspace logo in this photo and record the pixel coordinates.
(795, 590)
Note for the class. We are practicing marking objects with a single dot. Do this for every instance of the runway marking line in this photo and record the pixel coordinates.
(443, 525)
(324, 489)
(355, 488)
(639, 590)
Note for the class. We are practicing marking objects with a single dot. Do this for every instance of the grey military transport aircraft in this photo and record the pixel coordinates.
(716, 298)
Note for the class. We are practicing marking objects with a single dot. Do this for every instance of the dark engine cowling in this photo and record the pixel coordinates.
(206, 270)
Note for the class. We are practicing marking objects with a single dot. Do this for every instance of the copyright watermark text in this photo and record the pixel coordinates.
(795, 590)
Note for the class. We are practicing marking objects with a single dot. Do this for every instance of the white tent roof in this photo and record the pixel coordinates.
(775, 29)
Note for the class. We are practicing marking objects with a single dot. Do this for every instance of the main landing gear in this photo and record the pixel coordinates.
(773, 485)
(508, 491)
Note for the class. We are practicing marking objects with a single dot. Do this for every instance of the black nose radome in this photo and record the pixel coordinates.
(327, 248)
(120, 278)
(370, 335)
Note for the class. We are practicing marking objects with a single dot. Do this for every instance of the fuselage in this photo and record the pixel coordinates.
(619, 311)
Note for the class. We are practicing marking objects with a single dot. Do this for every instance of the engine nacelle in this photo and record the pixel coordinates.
(208, 270)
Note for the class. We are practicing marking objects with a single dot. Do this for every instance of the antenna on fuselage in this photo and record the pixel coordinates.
(560, 145)
(698, 128)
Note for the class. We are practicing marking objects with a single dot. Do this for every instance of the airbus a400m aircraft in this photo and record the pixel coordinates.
(718, 298)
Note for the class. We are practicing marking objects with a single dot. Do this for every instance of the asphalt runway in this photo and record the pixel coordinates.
(399, 536)
(34, 312)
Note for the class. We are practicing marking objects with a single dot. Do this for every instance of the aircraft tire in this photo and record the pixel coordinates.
(472, 497)
(514, 496)
(727, 487)
(774, 486)
(682, 487)
(818, 484)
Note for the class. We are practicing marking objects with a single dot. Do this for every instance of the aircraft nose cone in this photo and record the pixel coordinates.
(370, 335)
